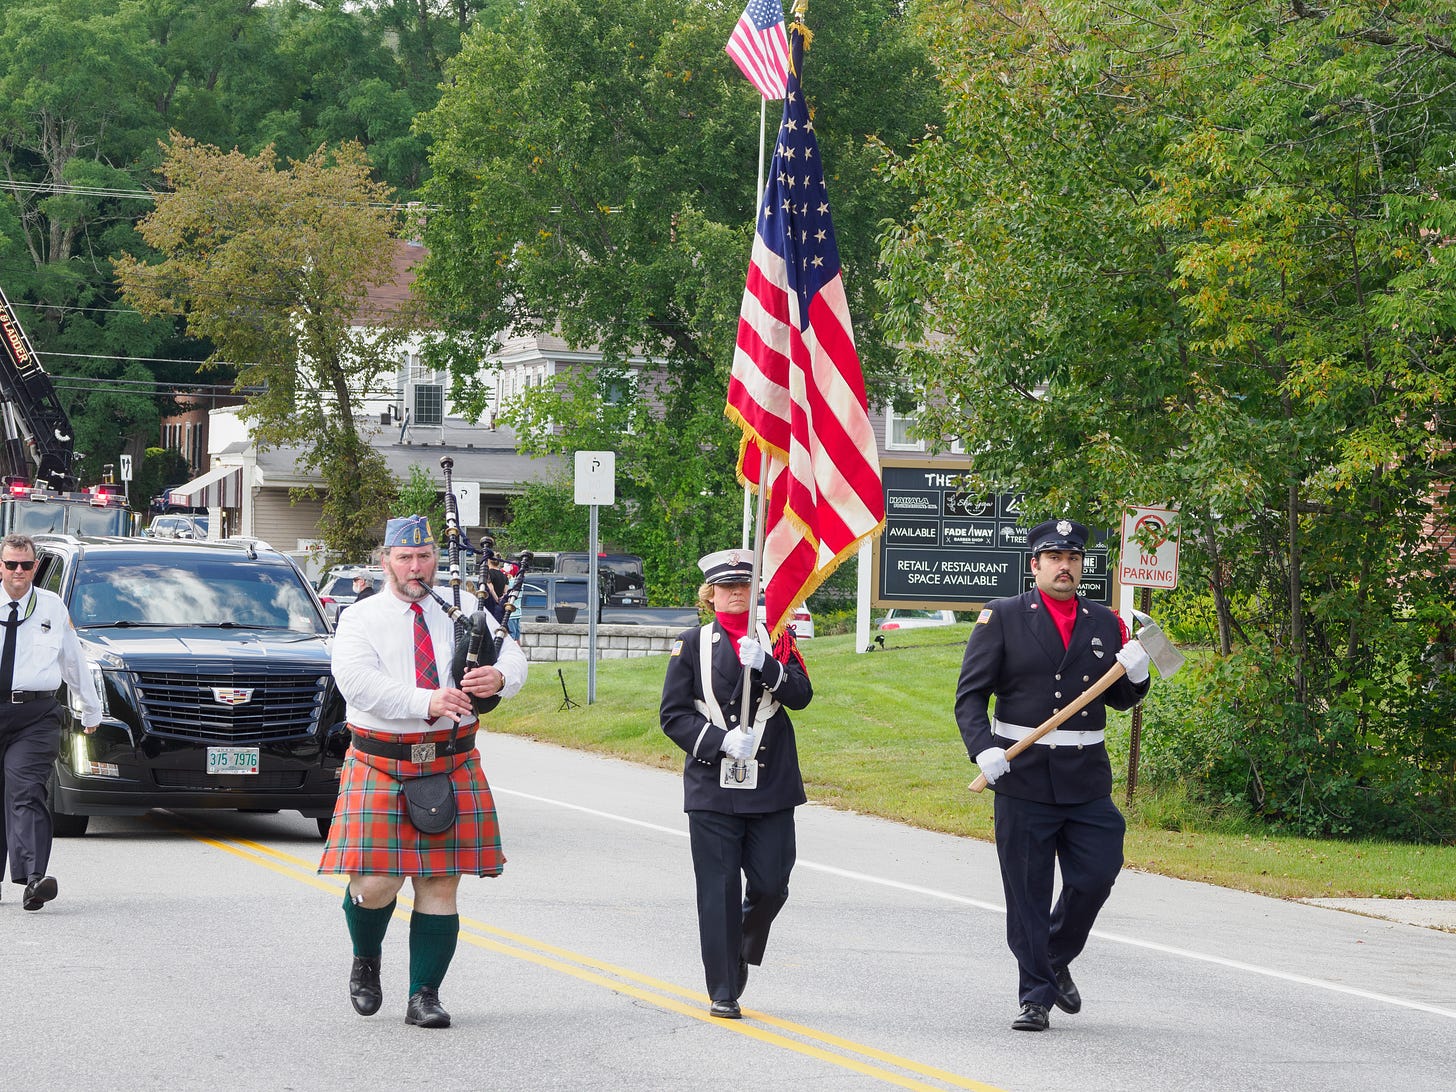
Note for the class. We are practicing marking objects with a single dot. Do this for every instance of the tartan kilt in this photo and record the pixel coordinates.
(371, 834)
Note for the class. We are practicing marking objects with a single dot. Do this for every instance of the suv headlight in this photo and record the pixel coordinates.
(98, 680)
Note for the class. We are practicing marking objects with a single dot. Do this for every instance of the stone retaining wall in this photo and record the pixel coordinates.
(548, 641)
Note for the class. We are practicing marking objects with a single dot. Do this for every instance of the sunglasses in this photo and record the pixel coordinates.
(23, 566)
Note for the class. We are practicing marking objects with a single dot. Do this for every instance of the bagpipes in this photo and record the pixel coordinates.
(475, 643)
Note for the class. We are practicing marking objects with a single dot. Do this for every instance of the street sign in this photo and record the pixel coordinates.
(467, 502)
(596, 477)
(1136, 566)
(126, 468)
(944, 548)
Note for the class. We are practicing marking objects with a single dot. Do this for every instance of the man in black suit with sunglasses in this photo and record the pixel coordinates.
(39, 652)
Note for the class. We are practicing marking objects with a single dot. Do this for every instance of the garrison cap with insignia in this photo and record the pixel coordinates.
(408, 531)
(1057, 534)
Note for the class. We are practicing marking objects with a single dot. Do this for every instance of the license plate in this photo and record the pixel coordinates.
(232, 760)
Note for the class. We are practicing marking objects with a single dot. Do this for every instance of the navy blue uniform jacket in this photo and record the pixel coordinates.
(1016, 654)
(780, 785)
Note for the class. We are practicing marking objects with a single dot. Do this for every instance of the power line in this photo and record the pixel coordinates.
(137, 359)
(17, 186)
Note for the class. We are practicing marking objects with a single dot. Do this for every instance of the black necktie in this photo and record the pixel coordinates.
(7, 658)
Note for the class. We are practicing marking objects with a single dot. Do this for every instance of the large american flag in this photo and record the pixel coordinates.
(796, 388)
(760, 48)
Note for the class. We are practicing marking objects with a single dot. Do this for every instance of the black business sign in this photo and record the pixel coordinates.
(945, 548)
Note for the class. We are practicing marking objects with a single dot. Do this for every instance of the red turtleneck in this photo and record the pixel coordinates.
(1064, 614)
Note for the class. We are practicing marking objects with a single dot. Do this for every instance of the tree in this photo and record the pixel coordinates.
(272, 266)
(160, 469)
(418, 496)
(1193, 253)
(593, 174)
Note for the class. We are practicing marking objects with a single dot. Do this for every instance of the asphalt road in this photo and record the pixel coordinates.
(201, 951)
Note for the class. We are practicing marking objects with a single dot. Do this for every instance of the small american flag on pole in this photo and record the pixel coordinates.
(760, 48)
(796, 388)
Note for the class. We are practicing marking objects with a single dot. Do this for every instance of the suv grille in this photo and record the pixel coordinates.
(182, 705)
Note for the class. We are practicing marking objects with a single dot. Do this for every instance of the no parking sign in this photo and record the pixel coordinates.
(1136, 566)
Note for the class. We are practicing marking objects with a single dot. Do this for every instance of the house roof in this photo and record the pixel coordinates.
(482, 455)
(389, 298)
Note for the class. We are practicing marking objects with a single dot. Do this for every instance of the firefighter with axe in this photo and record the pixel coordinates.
(1053, 661)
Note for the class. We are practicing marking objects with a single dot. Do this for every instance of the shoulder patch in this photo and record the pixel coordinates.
(984, 616)
(676, 648)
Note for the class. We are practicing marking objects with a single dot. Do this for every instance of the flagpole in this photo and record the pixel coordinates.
(757, 197)
(745, 722)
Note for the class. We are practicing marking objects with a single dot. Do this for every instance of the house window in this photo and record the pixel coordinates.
(429, 404)
(898, 431)
(617, 389)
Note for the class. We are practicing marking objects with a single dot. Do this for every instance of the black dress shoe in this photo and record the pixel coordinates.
(425, 1010)
(726, 1010)
(1068, 997)
(742, 977)
(1032, 1017)
(364, 991)
(39, 891)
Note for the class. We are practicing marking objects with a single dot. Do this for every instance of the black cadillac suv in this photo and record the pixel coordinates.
(212, 659)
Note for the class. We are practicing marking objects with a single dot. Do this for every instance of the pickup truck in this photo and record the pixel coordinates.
(555, 597)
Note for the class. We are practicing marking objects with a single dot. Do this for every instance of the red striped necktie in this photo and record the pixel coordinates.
(426, 676)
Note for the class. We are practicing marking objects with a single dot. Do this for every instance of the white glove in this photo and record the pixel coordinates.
(750, 653)
(993, 763)
(738, 744)
(1134, 660)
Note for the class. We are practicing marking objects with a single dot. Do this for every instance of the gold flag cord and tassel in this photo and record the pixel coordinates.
(801, 9)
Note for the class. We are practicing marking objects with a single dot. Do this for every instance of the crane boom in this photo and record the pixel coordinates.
(38, 442)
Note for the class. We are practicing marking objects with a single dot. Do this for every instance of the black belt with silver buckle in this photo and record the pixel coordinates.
(415, 752)
(19, 696)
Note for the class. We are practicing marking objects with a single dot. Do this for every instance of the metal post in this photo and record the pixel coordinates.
(593, 606)
(1145, 604)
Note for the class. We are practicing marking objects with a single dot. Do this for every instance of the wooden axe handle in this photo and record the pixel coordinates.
(1056, 720)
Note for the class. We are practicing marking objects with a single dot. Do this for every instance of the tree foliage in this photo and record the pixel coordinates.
(272, 266)
(593, 176)
(88, 89)
(417, 496)
(1197, 254)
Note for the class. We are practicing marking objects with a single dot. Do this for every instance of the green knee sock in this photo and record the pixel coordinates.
(367, 927)
(432, 945)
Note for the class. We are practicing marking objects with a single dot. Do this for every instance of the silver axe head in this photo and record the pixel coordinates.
(1166, 658)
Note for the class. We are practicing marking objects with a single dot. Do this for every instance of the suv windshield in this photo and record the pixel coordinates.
(206, 592)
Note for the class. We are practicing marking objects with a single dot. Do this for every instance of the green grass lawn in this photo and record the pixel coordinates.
(880, 738)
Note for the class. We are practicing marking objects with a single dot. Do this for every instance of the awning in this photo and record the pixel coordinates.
(220, 487)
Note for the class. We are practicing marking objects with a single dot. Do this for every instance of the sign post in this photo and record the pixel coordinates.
(596, 483)
(1149, 559)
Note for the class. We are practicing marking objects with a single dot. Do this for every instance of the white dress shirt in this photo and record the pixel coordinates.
(374, 663)
(48, 652)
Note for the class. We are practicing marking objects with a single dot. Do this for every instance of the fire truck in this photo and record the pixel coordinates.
(39, 494)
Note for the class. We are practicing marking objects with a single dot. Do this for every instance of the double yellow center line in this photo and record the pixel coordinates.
(764, 1027)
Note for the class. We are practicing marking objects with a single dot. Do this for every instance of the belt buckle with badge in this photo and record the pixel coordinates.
(738, 773)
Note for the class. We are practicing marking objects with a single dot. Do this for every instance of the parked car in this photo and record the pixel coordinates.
(178, 525)
(801, 621)
(212, 661)
(617, 574)
(556, 597)
(336, 587)
(910, 618)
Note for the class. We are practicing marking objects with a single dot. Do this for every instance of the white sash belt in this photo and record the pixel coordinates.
(767, 704)
(1061, 737)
